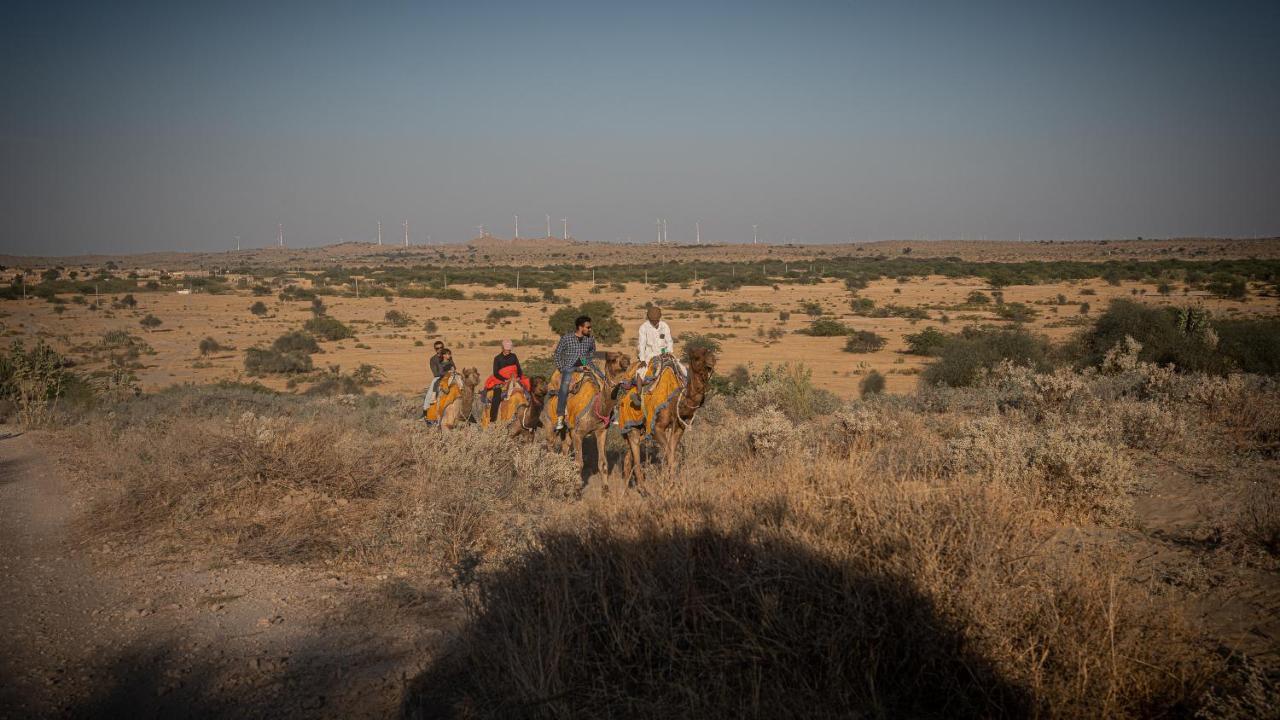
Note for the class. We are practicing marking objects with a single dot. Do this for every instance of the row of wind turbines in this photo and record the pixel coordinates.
(661, 223)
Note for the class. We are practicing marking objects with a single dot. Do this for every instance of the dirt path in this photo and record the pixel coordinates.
(101, 631)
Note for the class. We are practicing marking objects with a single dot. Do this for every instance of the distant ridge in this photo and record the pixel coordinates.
(495, 241)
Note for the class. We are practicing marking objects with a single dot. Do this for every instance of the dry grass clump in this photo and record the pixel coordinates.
(821, 591)
(287, 480)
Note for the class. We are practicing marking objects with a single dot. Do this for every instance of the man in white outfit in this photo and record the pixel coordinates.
(654, 339)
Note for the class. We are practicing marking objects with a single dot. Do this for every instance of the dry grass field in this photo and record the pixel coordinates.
(1042, 517)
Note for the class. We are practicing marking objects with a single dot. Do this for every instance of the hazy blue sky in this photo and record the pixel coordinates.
(139, 126)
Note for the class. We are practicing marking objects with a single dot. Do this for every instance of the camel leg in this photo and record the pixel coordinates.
(577, 448)
(602, 459)
(673, 447)
(635, 460)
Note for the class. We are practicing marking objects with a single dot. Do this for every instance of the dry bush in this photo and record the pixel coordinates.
(1258, 522)
(820, 592)
(287, 480)
(1072, 467)
(1147, 425)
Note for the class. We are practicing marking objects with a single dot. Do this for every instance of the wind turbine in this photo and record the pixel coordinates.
(658, 222)
(406, 233)
(697, 231)
(517, 235)
(237, 243)
(481, 229)
(754, 237)
(548, 226)
(379, 232)
(280, 234)
(566, 227)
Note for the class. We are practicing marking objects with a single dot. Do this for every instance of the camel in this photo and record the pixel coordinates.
(455, 404)
(514, 397)
(668, 408)
(525, 417)
(591, 406)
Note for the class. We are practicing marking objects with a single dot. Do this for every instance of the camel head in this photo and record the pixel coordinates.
(702, 362)
(538, 387)
(616, 364)
(470, 377)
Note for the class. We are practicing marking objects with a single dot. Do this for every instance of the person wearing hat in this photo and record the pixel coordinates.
(505, 366)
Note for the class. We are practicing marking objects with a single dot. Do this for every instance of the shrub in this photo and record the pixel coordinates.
(1163, 337)
(397, 318)
(317, 307)
(926, 342)
(863, 341)
(33, 380)
(1229, 286)
(783, 316)
(259, 308)
(977, 297)
(810, 308)
(606, 329)
(788, 387)
(1252, 346)
(1017, 312)
(497, 314)
(328, 328)
(872, 384)
(963, 359)
(296, 341)
(208, 346)
(862, 306)
(264, 361)
(825, 327)
(431, 327)
(694, 341)
(150, 322)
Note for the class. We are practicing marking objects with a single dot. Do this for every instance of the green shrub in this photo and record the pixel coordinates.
(872, 384)
(810, 308)
(825, 327)
(977, 297)
(208, 346)
(431, 327)
(604, 326)
(397, 318)
(296, 341)
(862, 306)
(926, 342)
(265, 361)
(259, 308)
(1163, 338)
(328, 328)
(863, 341)
(317, 307)
(150, 322)
(694, 341)
(962, 359)
(1251, 345)
(1016, 312)
(497, 314)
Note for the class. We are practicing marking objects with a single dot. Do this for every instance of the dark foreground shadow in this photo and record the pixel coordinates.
(704, 625)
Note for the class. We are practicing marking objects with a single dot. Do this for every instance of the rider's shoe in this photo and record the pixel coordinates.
(559, 423)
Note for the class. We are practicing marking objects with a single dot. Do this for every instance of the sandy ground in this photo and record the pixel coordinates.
(226, 318)
(120, 632)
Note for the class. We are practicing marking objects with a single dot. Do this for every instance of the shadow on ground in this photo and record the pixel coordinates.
(704, 624)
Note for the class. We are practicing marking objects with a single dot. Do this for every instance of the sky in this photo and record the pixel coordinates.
(130, 127)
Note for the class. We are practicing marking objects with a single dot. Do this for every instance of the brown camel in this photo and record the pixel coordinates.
(590, 410)
(462, 409)
(670, 422)
(526, 417)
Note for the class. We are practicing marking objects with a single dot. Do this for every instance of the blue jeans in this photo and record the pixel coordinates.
(566, 379)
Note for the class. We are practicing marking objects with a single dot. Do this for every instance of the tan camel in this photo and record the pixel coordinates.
(668, 423)
(590, 407)
(461, 409)
(514, 397)
(526, 418)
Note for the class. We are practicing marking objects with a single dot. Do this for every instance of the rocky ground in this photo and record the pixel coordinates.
(103, 631)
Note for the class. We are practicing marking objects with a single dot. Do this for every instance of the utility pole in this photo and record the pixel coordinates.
(357, 282)
(658, 223)
(518, 277)
(237, 243)
(379, 232)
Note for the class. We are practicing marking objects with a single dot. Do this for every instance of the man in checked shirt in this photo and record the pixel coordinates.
(575, 349)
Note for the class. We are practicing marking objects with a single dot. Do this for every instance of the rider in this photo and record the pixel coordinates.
(575, 349)
(441, 363)
(654, 338)
(505, 366)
